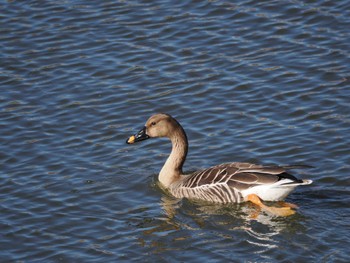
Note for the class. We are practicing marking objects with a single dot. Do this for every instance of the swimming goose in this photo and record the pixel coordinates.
(224, 183)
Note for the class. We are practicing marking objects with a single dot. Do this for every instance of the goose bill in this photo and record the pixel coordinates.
(140, 136)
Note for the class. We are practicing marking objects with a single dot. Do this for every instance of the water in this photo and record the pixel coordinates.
(259, 81)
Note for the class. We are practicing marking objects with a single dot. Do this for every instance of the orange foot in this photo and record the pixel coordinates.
(281, 203)
(277, 211)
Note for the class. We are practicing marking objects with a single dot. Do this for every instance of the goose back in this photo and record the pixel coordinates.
(224, 183)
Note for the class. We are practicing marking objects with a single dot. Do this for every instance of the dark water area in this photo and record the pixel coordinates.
(257, 81)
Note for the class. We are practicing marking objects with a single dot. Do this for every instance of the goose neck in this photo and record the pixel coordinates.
(172, 169)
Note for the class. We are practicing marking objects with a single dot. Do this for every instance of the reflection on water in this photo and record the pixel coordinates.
(222, 227)
(235, 223)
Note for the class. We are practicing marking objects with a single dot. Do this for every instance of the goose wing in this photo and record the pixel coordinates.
(240, 176)
(225, 183)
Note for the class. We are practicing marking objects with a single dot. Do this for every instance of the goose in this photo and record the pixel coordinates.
(234, 182)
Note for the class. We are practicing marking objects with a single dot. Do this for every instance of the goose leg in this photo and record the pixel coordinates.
(278, 211)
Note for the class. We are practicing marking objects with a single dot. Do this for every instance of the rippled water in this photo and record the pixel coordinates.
(258, 81)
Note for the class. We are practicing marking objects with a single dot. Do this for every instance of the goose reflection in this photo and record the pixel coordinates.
(208, 225)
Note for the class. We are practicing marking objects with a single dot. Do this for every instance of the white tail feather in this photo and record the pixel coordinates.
(274, 192)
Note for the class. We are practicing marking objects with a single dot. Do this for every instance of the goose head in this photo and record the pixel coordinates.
(158, 125)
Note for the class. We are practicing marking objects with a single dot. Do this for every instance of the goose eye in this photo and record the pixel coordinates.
(153, 123)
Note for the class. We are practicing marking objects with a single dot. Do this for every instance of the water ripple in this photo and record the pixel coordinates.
(270, 79)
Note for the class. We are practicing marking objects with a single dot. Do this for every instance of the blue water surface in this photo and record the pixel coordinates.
(254, 81)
